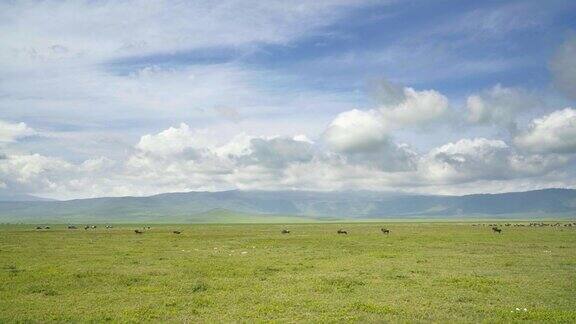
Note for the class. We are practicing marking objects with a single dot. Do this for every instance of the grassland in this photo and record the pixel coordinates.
(442, 272)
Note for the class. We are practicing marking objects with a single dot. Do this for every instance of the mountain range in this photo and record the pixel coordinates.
(286, 206)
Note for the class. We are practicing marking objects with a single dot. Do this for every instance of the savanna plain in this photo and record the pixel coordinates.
(419, 272)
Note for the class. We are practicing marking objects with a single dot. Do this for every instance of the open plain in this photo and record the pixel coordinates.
(443, 272)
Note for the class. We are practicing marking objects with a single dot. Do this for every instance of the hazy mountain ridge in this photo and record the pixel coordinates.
(200, 206)
(7, 196)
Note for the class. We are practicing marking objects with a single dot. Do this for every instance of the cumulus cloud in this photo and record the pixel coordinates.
(243, 162)
(366, 137)
(172, 141)
(367, 131)
(277, 152)
(469, 160)
(499, 106)
(563, 67)
(357, 131)
(178, 159)
(186, 144)
(553, 133)
(10, 132)
(33, 172)
(416, 108)
(390, 157)
(473, 165)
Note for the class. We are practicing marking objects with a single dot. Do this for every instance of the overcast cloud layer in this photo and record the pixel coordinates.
(113, 98)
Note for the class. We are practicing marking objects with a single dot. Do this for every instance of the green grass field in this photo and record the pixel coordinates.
(442, 272)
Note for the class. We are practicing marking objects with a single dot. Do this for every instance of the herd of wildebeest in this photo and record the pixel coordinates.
(496, 228)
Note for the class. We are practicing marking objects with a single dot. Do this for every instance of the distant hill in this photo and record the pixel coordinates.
(7, 196)
(264, 206)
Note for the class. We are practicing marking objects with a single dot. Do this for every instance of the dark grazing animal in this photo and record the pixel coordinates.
(86, 227)
(71, 227)
(496, 229)
(285, 231)
(47, 227)
(176, 232)
(38, 227)
(341, 231)
(138, 231)
(385, 231)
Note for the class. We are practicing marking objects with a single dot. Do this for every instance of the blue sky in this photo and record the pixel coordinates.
(513, 39)
(418, 96)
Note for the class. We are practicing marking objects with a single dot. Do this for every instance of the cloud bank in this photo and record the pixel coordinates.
(355, 152)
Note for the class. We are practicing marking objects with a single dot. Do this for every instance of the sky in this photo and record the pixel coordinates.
(115, 98)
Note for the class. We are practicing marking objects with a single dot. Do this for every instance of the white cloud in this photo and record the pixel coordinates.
(390, 157)
(243, 162)
(177, 159)
(97, 165)
(10, 132)
(356, 131)
(494, 22)
(51, 31)
(499, 106)
(470, 160)
(417, 108)
(277, 152)
(33, 172)
(553, 133)
(563, 67)
(186, 145)
(173, 141)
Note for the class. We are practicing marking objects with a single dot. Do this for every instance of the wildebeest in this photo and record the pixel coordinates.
(93, 226)
(341, 231)
(176, 232)
(285, 231)
(71, 227)
(47, 227)
(496, 229)
(86, 227)
(38, 227)
(138, 231)
(385, 231)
